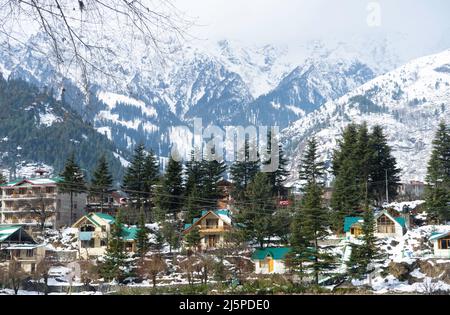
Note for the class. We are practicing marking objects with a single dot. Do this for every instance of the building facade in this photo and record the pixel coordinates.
(34, 201)
(441, 244)
(270, 260)
(213, 226)
(17, 245)
(94, 231)
(385, 226)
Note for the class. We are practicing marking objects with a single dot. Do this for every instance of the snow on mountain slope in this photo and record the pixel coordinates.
(307, 88)
(408, 102)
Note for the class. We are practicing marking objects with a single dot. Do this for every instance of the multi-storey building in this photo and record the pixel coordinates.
(36, 201)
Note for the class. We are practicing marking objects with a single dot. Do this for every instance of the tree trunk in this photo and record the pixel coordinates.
(154, 280)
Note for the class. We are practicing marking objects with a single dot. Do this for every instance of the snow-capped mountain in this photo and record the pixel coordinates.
(224, 83)
(408, 102)
(307, 88)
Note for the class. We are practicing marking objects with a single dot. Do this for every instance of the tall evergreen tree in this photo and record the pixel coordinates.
(212, 174)
(366, 253)
(311, 169)
(243, 172)
(314, 215)
(150, 179)
(170, 199)
(115, 260)
(346, 198)
(437, 193)
(382, 163)
(101, 181)
(72, 182)
(256, 214)
(133, 181)
(142, 243)
(277, 177)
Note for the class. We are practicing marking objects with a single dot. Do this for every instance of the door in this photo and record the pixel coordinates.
(270, 263)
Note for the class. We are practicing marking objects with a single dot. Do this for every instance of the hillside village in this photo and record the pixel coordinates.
(194, 229)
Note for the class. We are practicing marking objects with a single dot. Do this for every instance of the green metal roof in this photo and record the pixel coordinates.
(129, 234)
(187, 226)
(7, 230)
(349, 221)
(401, 221)
(274, 252)
(106, 217)
(438, 235)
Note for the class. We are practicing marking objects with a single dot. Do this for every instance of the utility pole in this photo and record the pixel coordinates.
(387, 188)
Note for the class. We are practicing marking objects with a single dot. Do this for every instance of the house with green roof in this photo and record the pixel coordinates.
(386, 225)
(212, 227)
(22, 202)
(441, 244)
(270, 260)
(94, 231)
(16, 244)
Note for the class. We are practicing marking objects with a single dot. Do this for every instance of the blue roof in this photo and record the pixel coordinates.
(401, 221)
(274, 252)
(350, 221)
(187, 226)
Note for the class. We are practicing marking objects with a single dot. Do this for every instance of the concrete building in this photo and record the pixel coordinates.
(441, 244)
(32, 201)
(270, 260)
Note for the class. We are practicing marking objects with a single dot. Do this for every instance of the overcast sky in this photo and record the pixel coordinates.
(426, 22)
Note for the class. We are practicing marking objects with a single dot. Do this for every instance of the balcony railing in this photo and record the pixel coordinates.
(213, 229)
(29, 196)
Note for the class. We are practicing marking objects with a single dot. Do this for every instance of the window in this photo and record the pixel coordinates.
(444, 243)
(33, 267)
(103, 243)
(30, 252)
(385, 225)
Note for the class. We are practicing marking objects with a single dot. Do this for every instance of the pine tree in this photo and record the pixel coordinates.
(437, 193)
(133, 181)
(142, 243)
(193, 205)
(311, 169)
(363, 255)
(115, 260)
(314, 216)
(346, 198)
(212, 174)
(193, 238)
(277, 177)
(256, 215)
(72, 182)
(382, 162)
(150, 179)
(101, 181)
(300, 245)
(170, 200)
(194, 174)
(243, 172)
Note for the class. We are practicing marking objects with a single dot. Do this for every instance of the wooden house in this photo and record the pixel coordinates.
(16, 244)
(212, 225)
(94, 231)
(386, 225)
